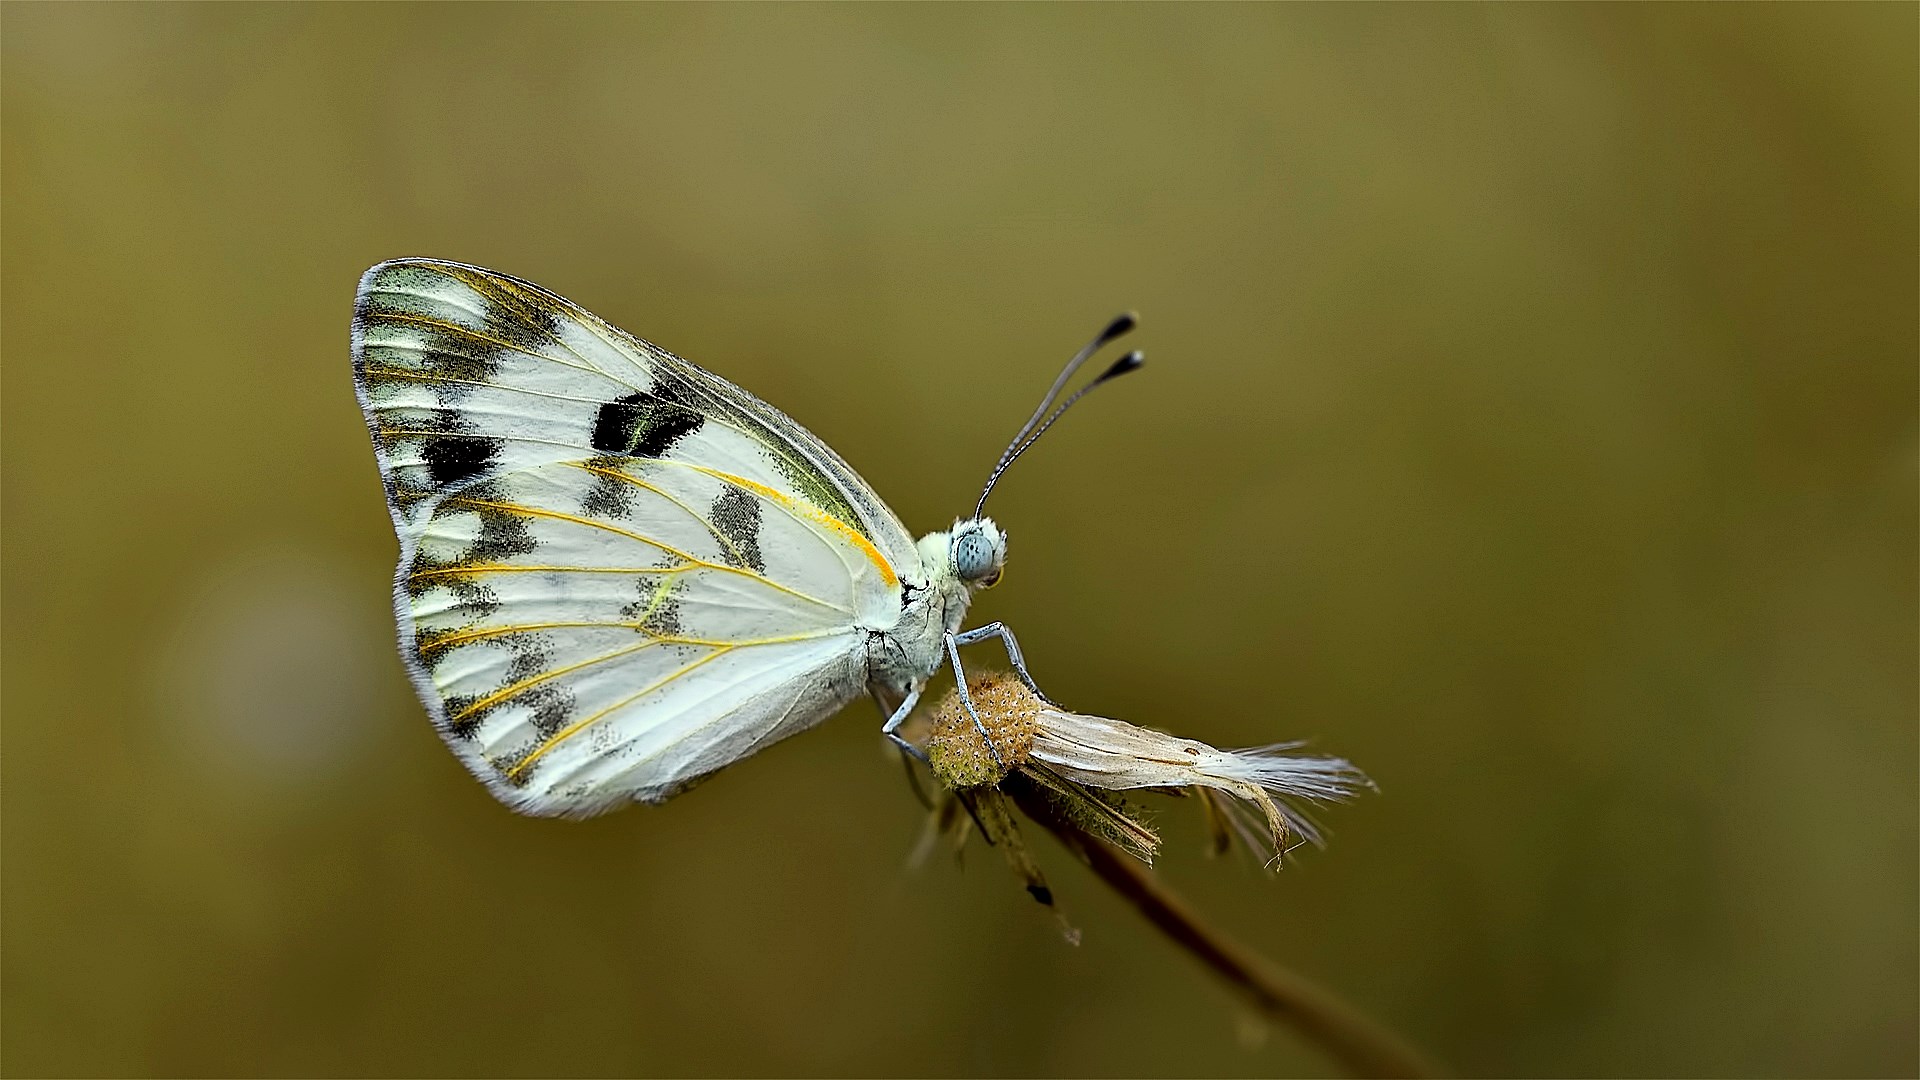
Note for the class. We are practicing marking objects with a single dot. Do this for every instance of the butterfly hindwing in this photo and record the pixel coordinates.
(618, 572)
(579, 660)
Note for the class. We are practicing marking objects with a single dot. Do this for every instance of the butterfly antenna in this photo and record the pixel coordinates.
(1044, 416)
(1122, 323)
(1120, 367)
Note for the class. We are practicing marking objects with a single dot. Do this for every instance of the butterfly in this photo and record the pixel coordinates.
(619, 572)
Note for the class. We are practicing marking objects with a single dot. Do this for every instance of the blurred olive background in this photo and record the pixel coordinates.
(1530, 417)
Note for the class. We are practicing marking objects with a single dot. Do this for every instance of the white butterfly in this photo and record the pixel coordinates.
(619, 572)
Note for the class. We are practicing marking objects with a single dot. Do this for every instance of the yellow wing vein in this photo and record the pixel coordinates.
(780, 502)
(805, 513)
(430, 377)
(456, 330)
(507, 693)
(440, 299)
(593, 324)
(506, 568)
(516, 296)
(467, 637)
(537, 302)
(402, 433)
(577, 726)
(513, 690)
(709, 722)
(555, 515)
(619, 341)
(615, 474)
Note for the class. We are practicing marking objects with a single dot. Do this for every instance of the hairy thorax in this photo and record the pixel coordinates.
(909, 651)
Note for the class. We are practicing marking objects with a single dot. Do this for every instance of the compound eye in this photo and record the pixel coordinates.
(972, 555)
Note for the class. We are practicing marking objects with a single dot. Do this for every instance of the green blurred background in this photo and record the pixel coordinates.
(1530, 417)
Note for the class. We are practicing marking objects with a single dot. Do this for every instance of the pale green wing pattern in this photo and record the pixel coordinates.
(618, 572)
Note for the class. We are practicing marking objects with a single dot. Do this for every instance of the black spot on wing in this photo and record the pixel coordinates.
(658, 609)
(502, 536)
(434, 644)
(736, 516)
(414, 328)
(508, 763)
(614, 424)
(473, 599)
(440, 359)
(530, 656)
(551, 705)
(644, 424)
(451, 449)
(540, 315)
(453, 458)
(517, 312)
(462, 724)
(607, 496)
(667, 426)
(551, 702)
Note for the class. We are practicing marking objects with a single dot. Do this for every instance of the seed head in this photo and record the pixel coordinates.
(1078, 757)
(1010, 713)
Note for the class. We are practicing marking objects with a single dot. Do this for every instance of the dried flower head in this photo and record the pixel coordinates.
(1010, 712)
(1061, 770)
(1073, 760)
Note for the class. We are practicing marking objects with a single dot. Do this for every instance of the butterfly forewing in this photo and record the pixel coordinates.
(618, 572)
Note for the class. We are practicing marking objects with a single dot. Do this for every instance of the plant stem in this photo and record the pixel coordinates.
(1363, 1046)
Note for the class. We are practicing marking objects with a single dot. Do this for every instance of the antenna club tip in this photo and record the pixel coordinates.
(1127, 363)
(1121, 323)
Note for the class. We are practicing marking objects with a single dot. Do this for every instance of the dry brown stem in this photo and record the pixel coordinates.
(1361, 1045)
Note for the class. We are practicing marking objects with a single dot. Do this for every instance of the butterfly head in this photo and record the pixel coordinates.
(973, 554)
(978, 551)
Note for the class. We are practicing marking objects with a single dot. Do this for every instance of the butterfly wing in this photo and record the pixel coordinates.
(618, 572)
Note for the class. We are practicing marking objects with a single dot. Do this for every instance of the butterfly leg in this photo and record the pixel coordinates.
(966, 700)
(894, 719)
(909, 749)
(900, 714)
(999, 630)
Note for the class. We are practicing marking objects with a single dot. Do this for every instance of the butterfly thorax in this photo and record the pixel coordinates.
(958, 562)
